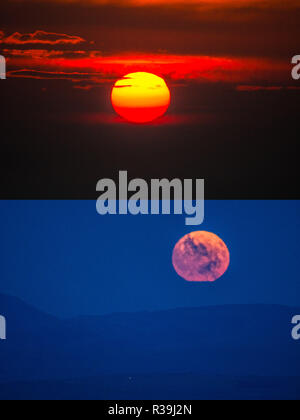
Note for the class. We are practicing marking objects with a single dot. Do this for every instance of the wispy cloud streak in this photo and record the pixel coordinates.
(40, 38)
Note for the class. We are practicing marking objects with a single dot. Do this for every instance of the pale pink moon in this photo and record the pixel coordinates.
(201, 256)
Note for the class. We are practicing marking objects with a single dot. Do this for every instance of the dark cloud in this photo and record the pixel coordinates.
(39, 38)
(227, 28)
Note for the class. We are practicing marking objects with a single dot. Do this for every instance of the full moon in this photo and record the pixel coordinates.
(201, 256)
(140, 97)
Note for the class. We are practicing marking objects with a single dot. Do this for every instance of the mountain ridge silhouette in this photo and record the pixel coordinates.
(241, 341)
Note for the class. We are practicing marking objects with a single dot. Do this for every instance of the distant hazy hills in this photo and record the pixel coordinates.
(241, 341)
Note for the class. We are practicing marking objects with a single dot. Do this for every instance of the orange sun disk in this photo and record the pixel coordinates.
(141, 97)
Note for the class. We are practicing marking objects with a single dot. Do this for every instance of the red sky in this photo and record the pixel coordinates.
(233, 117)
(92, 42)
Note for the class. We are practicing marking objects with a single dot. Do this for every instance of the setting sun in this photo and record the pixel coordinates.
(140, 97)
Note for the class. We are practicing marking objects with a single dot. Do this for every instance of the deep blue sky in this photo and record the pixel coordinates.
(64, 258)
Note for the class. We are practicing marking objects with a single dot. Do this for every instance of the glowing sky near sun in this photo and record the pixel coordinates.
(194, 41)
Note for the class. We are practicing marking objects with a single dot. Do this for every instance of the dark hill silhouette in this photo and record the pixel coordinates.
(234, 341)
(23, 316)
